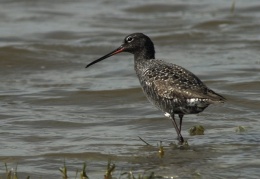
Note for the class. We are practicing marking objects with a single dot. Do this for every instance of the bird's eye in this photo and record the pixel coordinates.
(129, 39)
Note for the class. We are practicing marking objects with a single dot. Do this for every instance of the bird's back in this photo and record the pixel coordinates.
(174, 89)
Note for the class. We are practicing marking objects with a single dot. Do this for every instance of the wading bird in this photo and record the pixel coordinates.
(171, 88)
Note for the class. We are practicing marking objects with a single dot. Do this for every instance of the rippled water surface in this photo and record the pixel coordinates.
(52, 108)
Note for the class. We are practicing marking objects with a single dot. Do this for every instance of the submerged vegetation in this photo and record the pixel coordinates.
(110, 170)
(196, 130)
(82, 174)
(12, 174)
(240, 129)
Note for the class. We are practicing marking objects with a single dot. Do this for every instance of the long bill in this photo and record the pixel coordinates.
(116, 51)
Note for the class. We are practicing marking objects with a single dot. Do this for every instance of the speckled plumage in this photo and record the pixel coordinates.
(172, 88)
(169, 87)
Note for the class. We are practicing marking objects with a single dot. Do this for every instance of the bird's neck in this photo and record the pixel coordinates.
(142, 59)
(141, 64)
(145, 54)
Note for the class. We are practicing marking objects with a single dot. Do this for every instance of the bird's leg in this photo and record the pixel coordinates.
(180, 116)
(180, 138)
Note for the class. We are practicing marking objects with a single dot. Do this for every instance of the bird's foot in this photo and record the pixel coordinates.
(184, 145)
(180, 145)
(181, 140)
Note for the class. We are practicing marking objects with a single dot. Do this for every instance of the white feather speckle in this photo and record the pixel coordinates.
(192, 100)
(167, 114)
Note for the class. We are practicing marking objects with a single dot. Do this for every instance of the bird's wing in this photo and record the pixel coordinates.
(169, 90)
(173, 81)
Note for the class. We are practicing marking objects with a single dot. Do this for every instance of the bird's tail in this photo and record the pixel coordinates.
(215, 97)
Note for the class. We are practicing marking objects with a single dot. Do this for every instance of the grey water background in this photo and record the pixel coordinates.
(53, 109)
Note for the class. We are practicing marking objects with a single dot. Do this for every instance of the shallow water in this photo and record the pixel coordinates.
(52, 108)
